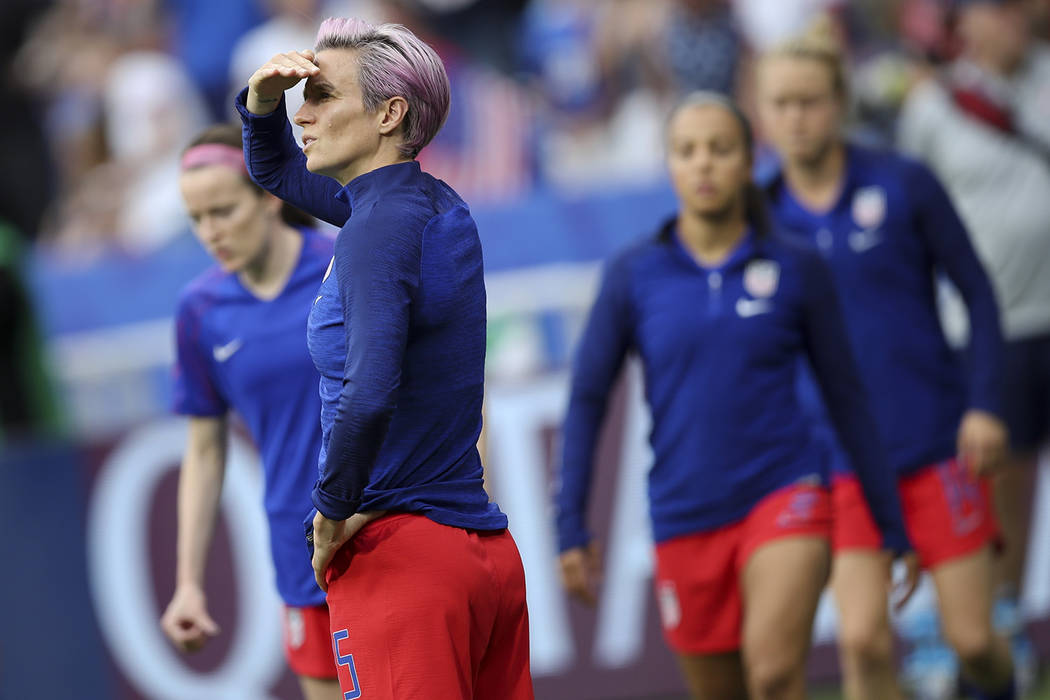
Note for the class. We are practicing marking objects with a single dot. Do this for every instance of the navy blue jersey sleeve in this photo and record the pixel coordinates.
(194, 392)
(834, 367)
(377, 268)
(947, 239)
(277, 164)
(599, 356)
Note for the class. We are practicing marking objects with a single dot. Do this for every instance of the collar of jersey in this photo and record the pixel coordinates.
(369, 186)
(744, 251)
(854, 155)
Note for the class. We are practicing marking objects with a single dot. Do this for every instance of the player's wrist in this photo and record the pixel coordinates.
(897, 543)
(260, 104)
(189, 584)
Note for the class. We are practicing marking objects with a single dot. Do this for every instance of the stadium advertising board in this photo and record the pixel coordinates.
(113, 353)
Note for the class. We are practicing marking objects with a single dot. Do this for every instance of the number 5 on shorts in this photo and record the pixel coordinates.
(351, 670)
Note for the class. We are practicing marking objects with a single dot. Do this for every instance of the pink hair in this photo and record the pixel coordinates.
(394, 62)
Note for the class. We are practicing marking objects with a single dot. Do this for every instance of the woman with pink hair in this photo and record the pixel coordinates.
(425, 586)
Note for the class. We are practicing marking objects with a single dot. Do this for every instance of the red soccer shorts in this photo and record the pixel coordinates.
(308, 641)
(422, 610)
(853, 527)
(947, 511)
(698, 575)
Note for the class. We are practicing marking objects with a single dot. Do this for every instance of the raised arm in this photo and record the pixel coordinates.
(827, 346)
(271, 153)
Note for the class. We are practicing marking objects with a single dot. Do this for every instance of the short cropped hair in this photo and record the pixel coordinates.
(392, 62)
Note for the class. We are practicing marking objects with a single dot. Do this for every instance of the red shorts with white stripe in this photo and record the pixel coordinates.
(698, 576)
(423, 610)
(308, 641)
(947, 511)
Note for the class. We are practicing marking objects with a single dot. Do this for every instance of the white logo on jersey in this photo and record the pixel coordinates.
(825, 239)
(869, 207)
(295, 627)
(225, 352)
(863, 241)
(746, 308)
(761, 278)
(670, 610)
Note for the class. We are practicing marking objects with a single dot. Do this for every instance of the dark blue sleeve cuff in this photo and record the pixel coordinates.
(331, 507)
(993, 405)
(572, 533)
(897, 542)
(272, 122)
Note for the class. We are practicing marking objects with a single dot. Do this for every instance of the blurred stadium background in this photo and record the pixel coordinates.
(554, 139)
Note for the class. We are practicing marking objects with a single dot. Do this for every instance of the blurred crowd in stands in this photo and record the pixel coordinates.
(102, 95)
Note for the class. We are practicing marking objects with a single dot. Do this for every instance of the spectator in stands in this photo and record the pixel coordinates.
(984, 126)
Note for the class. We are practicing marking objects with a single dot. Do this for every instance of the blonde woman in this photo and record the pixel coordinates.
(885, 226)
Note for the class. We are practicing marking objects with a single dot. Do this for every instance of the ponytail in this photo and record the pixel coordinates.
(755, 210)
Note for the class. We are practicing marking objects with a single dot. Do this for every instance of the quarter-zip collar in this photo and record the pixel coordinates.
(369, 186)
(744, 251)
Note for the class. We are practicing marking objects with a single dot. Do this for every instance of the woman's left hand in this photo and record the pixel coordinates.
(330, 535)
(905, 587)
(982, 441)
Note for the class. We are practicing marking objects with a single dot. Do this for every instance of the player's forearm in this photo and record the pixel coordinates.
(200, 488)
(357, 434)
(277, 164)
(599, 358)
(849, 408)
(582, 424)
(986, 342)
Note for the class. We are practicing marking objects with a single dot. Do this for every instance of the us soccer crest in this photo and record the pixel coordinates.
(761, 278)
(869, 207)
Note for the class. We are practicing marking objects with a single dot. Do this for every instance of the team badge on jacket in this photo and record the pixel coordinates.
(295, 627)
(761, 278)
(869, 207)
(670, 610)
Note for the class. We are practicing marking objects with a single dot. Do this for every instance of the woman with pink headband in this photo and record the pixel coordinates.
(240, 346)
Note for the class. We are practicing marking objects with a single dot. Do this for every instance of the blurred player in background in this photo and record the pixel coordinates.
(984, 128)
(720, 310)
(425, 584)
(240, 346)
(886, 226)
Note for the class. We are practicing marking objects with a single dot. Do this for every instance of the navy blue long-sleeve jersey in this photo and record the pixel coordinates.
(397, 333)
(719, 348)
(236, 351)
(890, 232)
